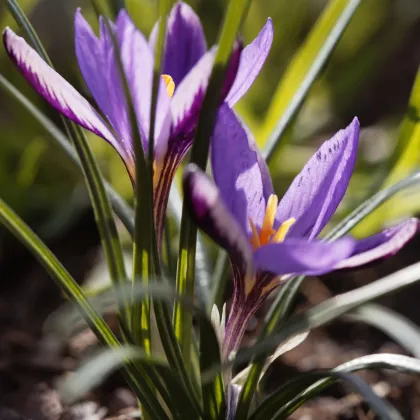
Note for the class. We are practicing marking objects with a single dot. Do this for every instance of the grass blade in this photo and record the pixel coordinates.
(296, 392)
(395, 325)
(304, 69)
(202, 271)
(73, 291)
(213, 392)
(404, 160)
(99, 198)
(233, 19)
(331, 309)
(123, 211)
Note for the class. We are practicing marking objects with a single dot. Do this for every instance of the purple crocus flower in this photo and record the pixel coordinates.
(186, 70)
(268, 241)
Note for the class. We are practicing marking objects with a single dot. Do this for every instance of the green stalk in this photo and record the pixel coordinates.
(199, 154)
(164, 7)
(163, 319)
(146, 261)
(73, 291)
(99, 198)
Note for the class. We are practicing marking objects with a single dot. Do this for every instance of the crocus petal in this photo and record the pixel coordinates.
(56, 90)
(297, 256)
(99, 69)
(317, 191)
(382, 244)
(238, 169)
(137, 59)
(185, 41)
(212, 216)
(233, 393)
(188, 97)
(252, 59)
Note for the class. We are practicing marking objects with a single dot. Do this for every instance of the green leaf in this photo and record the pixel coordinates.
(278, 311)
(395, 325)
(233, 19)
(286, 296)
(97, 368)
(367, 207)
(73, 291)
(98, 195)
(202, 271)
(304, 70)
(294, 393)
(323, 314)
(405, 160)
(336, 307)
(278, 411)
(213, 392)
(121, 209)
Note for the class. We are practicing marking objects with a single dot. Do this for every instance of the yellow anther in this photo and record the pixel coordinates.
(170, 84)
(267, 233)
(270, 214)
(282, 230)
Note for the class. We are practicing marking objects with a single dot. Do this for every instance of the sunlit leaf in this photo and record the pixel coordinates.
(304, 69)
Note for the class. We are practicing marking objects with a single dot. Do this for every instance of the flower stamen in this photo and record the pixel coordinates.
(267, 233)
(170, 84)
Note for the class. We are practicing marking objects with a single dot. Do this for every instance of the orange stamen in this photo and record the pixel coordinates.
(267, 234)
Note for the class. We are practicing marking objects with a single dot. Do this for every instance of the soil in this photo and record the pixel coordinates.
(33, 360)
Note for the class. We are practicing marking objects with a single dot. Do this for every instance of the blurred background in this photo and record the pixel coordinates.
(370, 75)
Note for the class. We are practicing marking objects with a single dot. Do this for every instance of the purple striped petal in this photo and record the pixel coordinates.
(188, 97)
(382, 244)
(252, 59)
(56, 90)
(211, 215)
(185, 42)
(297, 256)
(99, 69)
(316, 192)
(238, 169)
(137, 58)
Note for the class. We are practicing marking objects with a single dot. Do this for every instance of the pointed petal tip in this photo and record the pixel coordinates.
(381, 245)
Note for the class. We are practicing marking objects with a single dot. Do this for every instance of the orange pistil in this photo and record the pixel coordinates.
(170, 84)
(267, 234)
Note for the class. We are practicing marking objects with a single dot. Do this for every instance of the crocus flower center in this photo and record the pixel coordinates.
(170, 84)
(267, 233)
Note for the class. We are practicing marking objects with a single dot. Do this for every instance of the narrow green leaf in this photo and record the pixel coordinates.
(331, 309)
(405, 159)
(278, 311)
(367, 207)
(98, 195)
(296, 392)
(286, 296)
(72, 290)
(219, 279)
(121, 208)
(233, 19)
(202, 270)
(304, 70)
(395, 325)
(383, 409)
(97, 368)
(213, 392)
